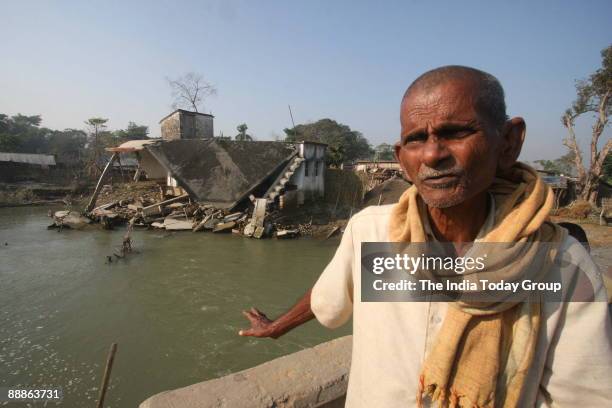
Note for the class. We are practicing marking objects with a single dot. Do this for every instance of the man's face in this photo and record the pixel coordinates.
(447, 149)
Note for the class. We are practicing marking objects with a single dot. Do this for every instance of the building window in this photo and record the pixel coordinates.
(306, 166)
(316, 166)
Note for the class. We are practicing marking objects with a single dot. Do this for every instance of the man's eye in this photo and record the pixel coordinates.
(415, 138)
(456, 133)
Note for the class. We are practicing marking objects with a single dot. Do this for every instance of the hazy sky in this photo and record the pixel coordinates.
(347, 60)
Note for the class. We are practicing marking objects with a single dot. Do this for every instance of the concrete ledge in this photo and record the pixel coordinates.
(314, 377)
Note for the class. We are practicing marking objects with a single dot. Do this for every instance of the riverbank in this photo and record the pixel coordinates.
(33, 194)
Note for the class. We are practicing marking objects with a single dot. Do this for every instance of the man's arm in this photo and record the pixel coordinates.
(262, 326)
(332, 295)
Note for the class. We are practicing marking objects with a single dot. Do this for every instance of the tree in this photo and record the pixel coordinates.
(343, 143)
(563, 165)
(67, 145)
(22, 134)
(133, 132)
(384, 151)
(190, 91)
(242, 134)
(9, 143)
(96, 127)
(593, 95)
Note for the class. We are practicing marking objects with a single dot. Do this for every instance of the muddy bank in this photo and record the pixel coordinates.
(29, 193)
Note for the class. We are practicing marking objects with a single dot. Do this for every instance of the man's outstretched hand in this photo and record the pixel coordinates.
(261, 325)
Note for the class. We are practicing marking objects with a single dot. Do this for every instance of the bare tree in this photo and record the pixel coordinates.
(593, 95)
(190, 91)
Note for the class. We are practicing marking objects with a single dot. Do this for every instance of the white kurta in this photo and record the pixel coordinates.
(573, 361)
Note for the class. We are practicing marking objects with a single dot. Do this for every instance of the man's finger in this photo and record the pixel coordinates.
(249, 315)
(246, 332)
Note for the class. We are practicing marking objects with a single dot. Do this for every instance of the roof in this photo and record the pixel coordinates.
(132, 145)
(39, 159)
(221, 172)
(186, 112)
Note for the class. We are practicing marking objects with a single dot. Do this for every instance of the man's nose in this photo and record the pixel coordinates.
(434, 152)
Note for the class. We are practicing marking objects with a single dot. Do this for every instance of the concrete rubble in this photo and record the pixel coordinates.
(183, 214)
(69, 219)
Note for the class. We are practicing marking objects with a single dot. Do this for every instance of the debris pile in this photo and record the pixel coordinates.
(377, 176)
(146, 206)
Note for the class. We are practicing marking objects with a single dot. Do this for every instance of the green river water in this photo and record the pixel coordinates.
(173, 308)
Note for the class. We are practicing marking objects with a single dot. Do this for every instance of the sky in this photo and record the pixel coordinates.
(346, 60)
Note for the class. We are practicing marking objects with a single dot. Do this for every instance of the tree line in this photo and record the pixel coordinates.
(74, 147)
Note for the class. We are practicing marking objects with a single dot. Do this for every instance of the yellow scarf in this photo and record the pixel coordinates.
(483, 351)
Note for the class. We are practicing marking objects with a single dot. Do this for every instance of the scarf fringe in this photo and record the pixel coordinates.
(440, 395)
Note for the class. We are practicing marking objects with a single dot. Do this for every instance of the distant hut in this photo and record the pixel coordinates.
(15, 167)
(183, 124)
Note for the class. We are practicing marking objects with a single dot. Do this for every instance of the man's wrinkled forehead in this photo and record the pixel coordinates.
(449, 101)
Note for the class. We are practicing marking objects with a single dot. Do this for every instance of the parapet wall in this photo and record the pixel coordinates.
(314, 377)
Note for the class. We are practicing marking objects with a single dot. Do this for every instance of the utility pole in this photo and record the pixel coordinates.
(291, 114)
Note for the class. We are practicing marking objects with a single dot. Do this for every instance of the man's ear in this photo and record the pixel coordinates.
(397, 149)
(513, 134)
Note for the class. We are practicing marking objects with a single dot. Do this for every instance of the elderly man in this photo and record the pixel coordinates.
(460, 151)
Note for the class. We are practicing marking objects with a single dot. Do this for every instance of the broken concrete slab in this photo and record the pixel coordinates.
(176, 205)
(174, 224)
(210, 224)
(232, 217)
(288, 233)
(70, 219)
(104, 213)
(221, 172)
(259, 232)
(158, 208)
(224, 226)
(257, 220)
(105, 206)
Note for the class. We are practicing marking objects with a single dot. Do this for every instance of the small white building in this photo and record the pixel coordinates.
(183, 124)
(309, 177)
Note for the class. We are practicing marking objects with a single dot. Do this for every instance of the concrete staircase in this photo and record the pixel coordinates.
(279, 184)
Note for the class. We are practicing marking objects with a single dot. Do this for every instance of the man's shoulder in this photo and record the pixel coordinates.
(580, 272)
(371, 223)
(373, 213)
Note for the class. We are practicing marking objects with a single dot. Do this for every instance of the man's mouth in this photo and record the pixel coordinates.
(441, 181)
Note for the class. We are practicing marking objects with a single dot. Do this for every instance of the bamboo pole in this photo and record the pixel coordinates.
(107, 372)
(94, 196)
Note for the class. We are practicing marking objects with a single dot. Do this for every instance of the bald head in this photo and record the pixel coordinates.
(488, 92)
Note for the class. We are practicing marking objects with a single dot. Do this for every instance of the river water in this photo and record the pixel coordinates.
(173, 307)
